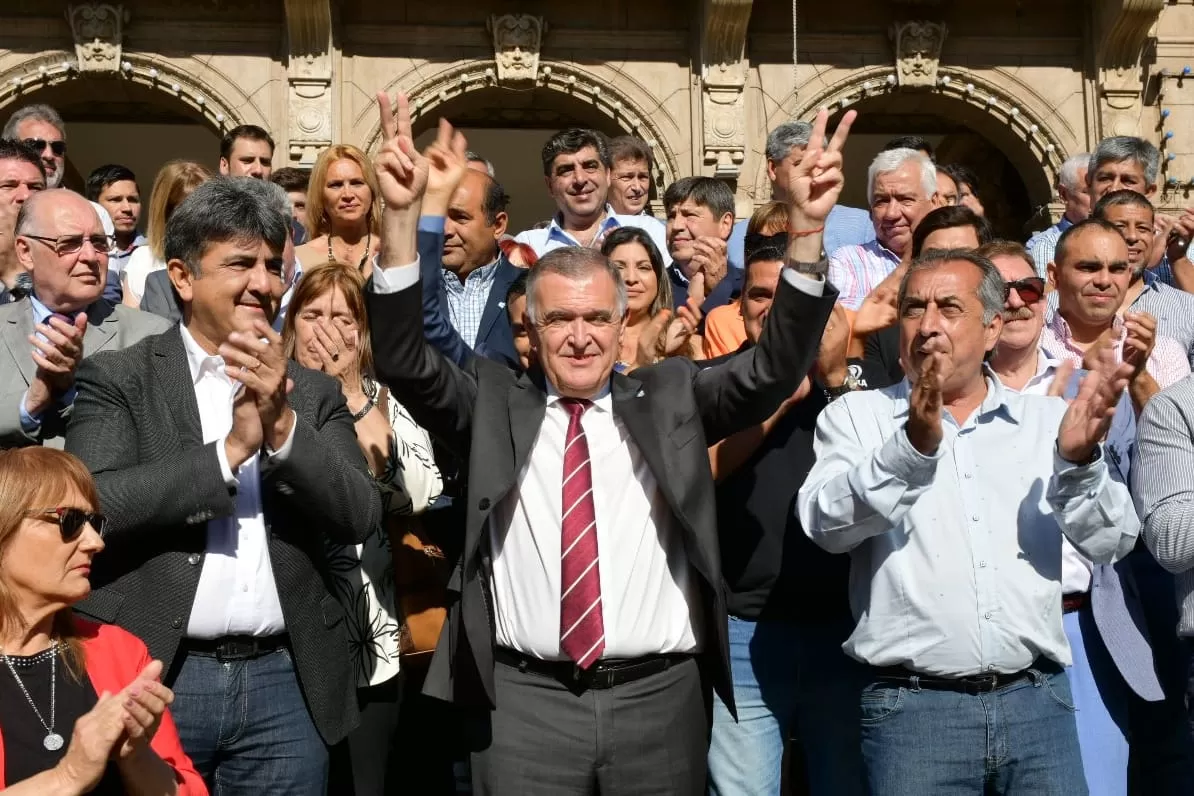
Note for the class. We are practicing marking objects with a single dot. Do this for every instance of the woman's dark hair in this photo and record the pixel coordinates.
(622, 235)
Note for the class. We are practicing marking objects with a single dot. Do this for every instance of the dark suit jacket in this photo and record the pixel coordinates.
(158, 297)
(136, 425)
(490, 416)
(881, 359)
(494, 338)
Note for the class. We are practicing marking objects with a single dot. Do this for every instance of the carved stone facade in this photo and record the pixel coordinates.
(701, 80)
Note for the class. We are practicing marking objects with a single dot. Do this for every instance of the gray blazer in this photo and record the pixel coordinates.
(136, 426)
(490, 416)
(109, 328)
(158, 297)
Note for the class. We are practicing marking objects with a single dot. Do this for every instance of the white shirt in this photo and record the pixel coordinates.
(648, 593)
(955, 558)
(237, 594)
(140, 264)
(553, 236)
(1076, 569)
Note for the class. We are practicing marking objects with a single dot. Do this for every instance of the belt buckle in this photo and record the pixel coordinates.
(234, 651)
(986, 682)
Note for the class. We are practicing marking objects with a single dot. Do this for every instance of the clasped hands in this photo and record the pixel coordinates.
(260, 414)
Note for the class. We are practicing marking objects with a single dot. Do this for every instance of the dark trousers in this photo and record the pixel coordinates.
(649, 736)
(245, 725)
(366, 763)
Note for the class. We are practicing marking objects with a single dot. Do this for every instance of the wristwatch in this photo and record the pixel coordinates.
(849, 385)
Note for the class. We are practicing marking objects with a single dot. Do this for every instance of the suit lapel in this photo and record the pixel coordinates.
(172, 372)
(528, 404)
(103, 324)
(16, 337)
(496, 306)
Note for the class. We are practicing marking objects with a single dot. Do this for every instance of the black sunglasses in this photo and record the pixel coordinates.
(71, 521)
(1031, 289)
(39, 144)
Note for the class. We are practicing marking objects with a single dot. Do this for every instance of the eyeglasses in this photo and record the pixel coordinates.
(40, 144)
(1031, 289)
(69, 244)
(71, 521)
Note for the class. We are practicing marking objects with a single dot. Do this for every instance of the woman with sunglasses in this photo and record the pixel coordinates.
(81, 708)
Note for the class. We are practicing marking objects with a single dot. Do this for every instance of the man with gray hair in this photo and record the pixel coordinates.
(1074, 192)
(952, 495)
(902, 189)
(845, 226)
(225, 469)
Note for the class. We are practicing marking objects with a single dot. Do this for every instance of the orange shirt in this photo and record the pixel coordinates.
(724, 331)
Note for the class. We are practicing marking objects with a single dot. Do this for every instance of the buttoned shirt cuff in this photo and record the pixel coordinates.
(804, 283)
(1076, 478)
(392, 280)
(29, 423)
(225, 468)
(283, 453)
(431, 224)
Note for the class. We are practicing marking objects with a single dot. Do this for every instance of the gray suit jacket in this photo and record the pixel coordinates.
(158, 297)
(136, 426)
(490, 417)
(109, 328)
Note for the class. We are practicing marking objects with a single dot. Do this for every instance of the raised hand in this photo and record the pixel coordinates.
(831, 366)
(145, 700)
(816, 181)
(710, 258)
(447, 163)
(1140, 336)
(255, 358)
(1087, 420)
(57, 352)
(401, 170)
(647, 352)
(1061, 380)
(682, 328)
(925, 403)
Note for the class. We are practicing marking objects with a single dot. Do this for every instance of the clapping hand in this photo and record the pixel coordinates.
(255, 358)
(710, 258)
(57, 352)
(1087, 420)
(925, 405)
(1140, 337)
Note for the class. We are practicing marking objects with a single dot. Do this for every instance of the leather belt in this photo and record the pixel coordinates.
(236, 648)
(972, 684)
(1075, 601)
(601, 675)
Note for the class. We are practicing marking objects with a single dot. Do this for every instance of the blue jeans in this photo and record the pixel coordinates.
(1020, 739)
(1101, 697)
(246, 727)
(788, 677)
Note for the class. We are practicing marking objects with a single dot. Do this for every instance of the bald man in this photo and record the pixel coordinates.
(60, 241)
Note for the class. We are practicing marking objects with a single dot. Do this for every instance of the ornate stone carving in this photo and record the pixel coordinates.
(917, 51)
(309, 79)
(724, 70)
(98, 30)
(517, 39)
(1122, 32)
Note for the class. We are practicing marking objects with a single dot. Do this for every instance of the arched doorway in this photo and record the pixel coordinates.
(134, 125)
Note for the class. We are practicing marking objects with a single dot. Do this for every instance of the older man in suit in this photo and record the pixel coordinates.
(589, 594)
(222, 485)
(61, 243)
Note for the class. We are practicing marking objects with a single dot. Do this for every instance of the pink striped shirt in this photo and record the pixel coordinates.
(1167, 363)
(857, 270)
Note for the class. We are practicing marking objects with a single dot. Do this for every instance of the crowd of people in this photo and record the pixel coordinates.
(328, 482)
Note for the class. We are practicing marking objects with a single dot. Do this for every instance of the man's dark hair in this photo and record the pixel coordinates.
(226, 209)
(494, 201)
(992, 289)
(910, 142)
(574, 139)
(962, 175)
(249, 131)
(104, 176)
(291, 179)
(705, 191)
(18, 150)
(1120, 198)
(517, 288)
(762, 254)
(1067, 237)
(949, 217)
(627, 147)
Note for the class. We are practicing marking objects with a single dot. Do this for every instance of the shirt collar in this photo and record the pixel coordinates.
(139, 240)
(198, 360)
(998, 399)
(41, 312)
(556, 228)
(878, 249)
(479, 276)
(603, 400)
(1061, 329)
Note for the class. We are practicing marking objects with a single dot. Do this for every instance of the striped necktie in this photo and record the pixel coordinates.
(582, 630)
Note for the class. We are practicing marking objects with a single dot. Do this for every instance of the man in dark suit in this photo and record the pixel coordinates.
(590, 582)
(224, 469)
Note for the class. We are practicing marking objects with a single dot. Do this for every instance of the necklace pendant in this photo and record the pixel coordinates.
(53, 742)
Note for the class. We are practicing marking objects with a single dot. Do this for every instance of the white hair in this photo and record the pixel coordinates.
(1068, 176)
(893, 159)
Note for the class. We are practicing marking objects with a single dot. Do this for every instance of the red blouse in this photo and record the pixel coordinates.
(114, 658)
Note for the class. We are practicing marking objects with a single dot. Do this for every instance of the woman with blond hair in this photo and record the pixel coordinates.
(343, 216)
(81, 708)
(174, 182)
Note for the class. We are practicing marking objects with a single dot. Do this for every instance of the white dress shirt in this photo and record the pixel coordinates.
(237, 594)
(648, 592)
(956, 557)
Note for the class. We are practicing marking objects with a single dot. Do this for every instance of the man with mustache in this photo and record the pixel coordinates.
(576, 169)
(902, 186)
(61, 243)
(1091, 273)
(1113, 658)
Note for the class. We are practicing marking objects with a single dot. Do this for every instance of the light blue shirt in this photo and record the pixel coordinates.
(554, 237)
(31, 423)
(845, 226)
(956, 557)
